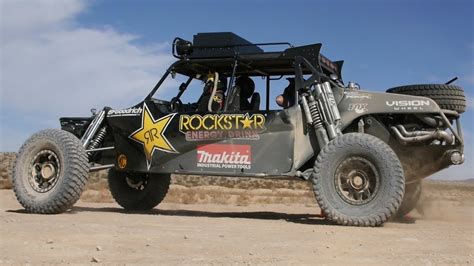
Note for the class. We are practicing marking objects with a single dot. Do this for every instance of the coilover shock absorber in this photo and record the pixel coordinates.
(329, 110)
(97, 140)
(315, 114)
(313, 117)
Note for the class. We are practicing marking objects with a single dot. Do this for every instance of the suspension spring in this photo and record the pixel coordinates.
(315, 114)
(99, 137)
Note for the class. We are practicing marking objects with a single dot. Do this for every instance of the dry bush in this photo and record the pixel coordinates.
(236, 196)
(239, 182)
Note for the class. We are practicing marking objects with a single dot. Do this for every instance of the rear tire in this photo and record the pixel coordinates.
(138, 192)
(448, 97)
(358, 180)
(411, 198)
(50, 172)
(7, 162)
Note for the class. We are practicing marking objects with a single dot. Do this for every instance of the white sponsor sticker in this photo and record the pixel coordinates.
(135, 111)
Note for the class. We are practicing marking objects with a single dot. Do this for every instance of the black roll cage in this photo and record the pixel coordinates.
(298, 61)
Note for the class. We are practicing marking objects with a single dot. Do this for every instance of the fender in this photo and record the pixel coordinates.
(355, 104)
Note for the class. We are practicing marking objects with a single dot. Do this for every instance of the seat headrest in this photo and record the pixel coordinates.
(247, 86)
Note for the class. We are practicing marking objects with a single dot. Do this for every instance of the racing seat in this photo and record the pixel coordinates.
(243, 97)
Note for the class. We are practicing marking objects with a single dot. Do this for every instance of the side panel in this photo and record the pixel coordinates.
(357, 103)
(250, 143)
(305, 140)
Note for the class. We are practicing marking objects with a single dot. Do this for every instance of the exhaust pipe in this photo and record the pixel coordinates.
(456, 157)
(406, 137)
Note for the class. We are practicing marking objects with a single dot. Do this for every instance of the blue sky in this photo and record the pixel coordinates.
(384, 43)
(64, 57)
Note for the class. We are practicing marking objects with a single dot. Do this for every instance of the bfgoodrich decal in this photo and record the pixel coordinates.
(135, 111)
(225, 156)
(221, 126)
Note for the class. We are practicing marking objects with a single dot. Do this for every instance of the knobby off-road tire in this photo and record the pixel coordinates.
(138, 192)
(411, 198)
(358, 180)
(448, 97)
(50, 172)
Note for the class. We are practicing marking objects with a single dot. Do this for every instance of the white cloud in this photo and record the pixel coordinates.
(20, 17)
(51, 66)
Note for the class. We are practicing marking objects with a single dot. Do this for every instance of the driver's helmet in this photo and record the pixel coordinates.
(221, 85)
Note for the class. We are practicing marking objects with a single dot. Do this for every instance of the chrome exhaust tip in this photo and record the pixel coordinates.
(457, 157)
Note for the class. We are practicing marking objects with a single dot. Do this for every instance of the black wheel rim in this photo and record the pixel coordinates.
(45, 169)
(138, 184)
(356, 180)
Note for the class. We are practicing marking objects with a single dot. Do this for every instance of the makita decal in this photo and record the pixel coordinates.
(224, 156)
(408, 105)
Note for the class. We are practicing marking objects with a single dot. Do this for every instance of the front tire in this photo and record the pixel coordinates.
(138, 192)
(50, 172)
(358, 180)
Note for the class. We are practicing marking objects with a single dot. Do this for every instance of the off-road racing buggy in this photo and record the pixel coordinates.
(364, 152)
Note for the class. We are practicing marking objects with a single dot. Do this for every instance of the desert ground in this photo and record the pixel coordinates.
(218, 220)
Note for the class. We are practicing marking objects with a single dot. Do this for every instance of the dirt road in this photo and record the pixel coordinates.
(222, 234)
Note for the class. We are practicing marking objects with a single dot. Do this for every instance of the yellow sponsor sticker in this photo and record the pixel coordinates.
(198, 127)
(151, 134)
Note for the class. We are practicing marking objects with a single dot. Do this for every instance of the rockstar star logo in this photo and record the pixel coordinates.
(151, 134)
(247, 122)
